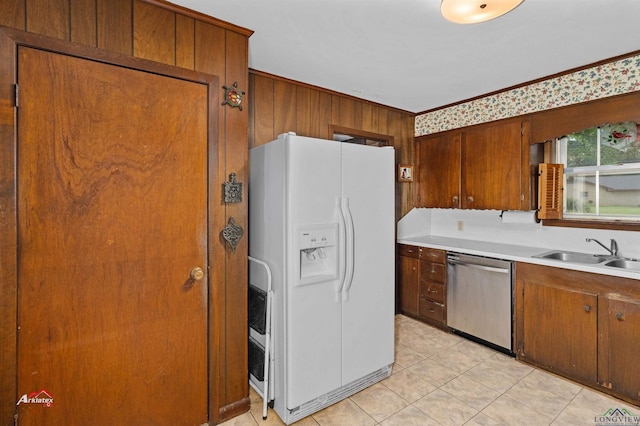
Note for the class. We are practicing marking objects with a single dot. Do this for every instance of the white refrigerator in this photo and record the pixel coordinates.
(321, 215)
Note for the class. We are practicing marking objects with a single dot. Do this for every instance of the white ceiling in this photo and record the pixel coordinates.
(404, 54)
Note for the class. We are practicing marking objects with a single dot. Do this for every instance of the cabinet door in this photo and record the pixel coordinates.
(409, 285)
(491, 167)
(619, 349)
(439, 171)
(560, 329)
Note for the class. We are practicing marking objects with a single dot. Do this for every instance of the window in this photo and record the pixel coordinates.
(602, 173)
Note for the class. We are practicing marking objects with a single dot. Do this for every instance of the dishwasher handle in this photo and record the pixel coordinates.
(481, 267)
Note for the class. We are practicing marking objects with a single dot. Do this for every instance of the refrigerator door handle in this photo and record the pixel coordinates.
(350, 250)
(342, 248)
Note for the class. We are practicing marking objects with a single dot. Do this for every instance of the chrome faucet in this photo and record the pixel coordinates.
(614, 246)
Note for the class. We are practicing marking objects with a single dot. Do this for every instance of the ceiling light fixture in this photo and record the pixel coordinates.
(473, 11)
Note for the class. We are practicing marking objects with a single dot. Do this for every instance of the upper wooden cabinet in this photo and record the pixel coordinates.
(439, 171)
(480, 167)
(491, 167)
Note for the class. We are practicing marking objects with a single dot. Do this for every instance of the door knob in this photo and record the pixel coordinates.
(196, 273)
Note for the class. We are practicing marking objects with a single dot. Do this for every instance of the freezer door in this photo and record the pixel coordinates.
(313, 313)
(368, 298)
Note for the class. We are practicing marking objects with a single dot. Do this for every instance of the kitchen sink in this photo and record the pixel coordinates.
(575, 257)
(633, 265)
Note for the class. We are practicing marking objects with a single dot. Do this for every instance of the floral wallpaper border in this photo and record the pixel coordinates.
(614, 78)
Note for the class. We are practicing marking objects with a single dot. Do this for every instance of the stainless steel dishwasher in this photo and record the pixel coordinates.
(480, 299)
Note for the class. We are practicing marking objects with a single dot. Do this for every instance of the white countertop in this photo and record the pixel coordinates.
(510, 252)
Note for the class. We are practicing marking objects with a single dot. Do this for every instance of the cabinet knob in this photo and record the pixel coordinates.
(620, 316)
(455, 200)
(587, 308)
(196, 274)
(470, 199)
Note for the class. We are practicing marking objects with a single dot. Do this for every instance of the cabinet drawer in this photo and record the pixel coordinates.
(409, 251)
(432, 291)
(431, 310)
(430, 271)
(432, 255)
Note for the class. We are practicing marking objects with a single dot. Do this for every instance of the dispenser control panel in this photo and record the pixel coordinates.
(316, 238)
(318, 247)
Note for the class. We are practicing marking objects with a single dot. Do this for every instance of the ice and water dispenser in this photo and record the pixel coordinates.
(318, 245)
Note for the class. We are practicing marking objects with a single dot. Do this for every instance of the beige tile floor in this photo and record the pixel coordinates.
(443, 379)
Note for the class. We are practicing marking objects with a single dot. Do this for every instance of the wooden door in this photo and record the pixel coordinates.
(560, 329)
(618, 367)
(491, 167)
(439, 171)
(112, 218)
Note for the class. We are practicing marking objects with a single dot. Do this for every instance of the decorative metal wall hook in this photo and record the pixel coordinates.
(233, 96)
(232, 190)
(232, 233)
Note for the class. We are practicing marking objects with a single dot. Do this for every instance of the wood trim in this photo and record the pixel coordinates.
(577, 223)
(8, 230)
(234, 409)
(199, 16)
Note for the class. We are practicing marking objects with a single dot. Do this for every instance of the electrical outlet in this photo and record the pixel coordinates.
(460, 225)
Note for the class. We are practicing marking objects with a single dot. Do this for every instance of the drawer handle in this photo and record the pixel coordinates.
(587, 308)
(620, 316)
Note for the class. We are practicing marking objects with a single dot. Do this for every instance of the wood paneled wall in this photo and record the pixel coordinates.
(278, 105)
(160, 31)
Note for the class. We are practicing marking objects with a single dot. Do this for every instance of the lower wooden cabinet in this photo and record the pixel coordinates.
(560, 329)
(619, 351)
(422, 284)
(580, 325)
(409, 284)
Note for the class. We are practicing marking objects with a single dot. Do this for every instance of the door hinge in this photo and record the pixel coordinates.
(16, 94)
